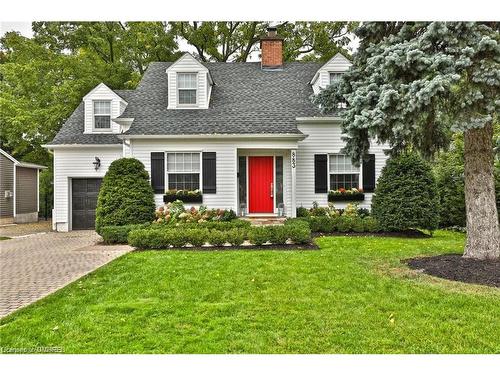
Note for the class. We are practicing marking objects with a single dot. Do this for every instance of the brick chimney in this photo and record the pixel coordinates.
(271, 47)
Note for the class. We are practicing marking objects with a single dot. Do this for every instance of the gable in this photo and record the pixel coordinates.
(102, 93)
(337, 64)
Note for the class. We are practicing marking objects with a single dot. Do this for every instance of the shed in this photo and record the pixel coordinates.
(19, 190)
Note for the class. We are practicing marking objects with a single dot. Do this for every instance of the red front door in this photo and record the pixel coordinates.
(260, 184)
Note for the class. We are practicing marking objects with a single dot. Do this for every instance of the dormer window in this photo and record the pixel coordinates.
(102, 114)
(334, 77)
(187, 84)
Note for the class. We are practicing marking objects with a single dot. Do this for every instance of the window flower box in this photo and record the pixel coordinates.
(346, 195)
(186, 196)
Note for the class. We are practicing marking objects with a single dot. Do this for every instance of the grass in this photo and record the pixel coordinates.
(352, 296)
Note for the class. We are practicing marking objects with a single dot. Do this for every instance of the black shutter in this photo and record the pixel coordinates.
(369, 173)
(209, 173)
(158, 172)
(321, 173)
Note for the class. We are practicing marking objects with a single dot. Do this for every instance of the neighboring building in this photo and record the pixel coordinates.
(246, 134)
(18, 190)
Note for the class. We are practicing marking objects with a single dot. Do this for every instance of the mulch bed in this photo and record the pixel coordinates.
(310, 246)
(457, 268)
(411, 233)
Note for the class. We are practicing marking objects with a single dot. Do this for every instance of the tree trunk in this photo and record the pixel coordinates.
(483, 234)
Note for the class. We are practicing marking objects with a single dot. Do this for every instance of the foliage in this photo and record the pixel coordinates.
(449, 171)
(126, 196)
(163, 236)
(46, 193)
(406, 195)
(175, 212)
(118, 234)
(413, 82)
(235, 41)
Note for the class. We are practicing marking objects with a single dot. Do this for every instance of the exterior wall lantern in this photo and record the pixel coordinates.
(97, 163)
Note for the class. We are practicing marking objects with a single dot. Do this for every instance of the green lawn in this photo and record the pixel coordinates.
(352, 296)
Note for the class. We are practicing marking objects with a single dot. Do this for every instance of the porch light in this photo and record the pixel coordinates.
(97, 163)
(243, 209)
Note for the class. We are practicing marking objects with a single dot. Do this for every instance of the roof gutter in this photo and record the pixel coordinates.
(80, 145)
(213, 136)
(320, 120)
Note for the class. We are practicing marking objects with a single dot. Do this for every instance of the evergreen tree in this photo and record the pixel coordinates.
(414, 83)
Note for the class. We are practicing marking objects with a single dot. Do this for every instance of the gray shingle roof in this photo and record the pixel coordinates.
(245, 100)
(72, 130)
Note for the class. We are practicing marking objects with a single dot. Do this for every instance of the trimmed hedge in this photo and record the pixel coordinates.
(126, 196)
(157, 237)
(344, 224)
(406, 195)
(115, 234)
(118, 234)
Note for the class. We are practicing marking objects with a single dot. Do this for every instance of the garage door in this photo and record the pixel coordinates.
(84, 201)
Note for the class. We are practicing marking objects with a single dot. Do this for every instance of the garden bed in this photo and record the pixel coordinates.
(457, 268)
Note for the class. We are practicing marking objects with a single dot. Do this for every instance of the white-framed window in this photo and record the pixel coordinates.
(342, 173)
(102, 114)
(334, 77)
(187, 84)
(183, 170)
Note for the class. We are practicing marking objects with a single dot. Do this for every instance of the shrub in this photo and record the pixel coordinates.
(358, 224)
(370, 224)
(148, 239)
(363, 212)
(196, 237)
(406, 196)
(236, 236)
(119, 234)
(449, 172)
(175, 212)
(219, 225)
(126, 196)
(345, 223)
(278, 234)
(217, 237)
(302, 212)
(316, 210)
(299, 233)
(322, 224)
(258, 235)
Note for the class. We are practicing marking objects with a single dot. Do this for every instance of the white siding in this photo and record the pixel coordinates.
(188, 64)
(325, 139)
(76, 162)
(102, 92)
(337, 64)
(226, 151)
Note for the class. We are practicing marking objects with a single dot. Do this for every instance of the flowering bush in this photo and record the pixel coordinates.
(174, 212)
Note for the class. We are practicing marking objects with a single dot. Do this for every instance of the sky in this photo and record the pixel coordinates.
(24, 28)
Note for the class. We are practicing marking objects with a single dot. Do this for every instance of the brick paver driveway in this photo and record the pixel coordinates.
(35, 266)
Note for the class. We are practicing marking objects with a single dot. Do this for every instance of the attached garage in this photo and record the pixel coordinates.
(84, 192)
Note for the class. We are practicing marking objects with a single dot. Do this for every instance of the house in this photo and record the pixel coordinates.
(19, 202)
(245, 134)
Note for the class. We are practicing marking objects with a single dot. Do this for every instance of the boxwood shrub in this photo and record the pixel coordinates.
(163, 237)
(126, 196)
(118, 234)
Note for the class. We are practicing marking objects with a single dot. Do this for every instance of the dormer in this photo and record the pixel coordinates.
(330, 72)
(189, 84)
(102, 106)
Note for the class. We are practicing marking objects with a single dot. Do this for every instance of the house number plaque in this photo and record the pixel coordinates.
(293, 161)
